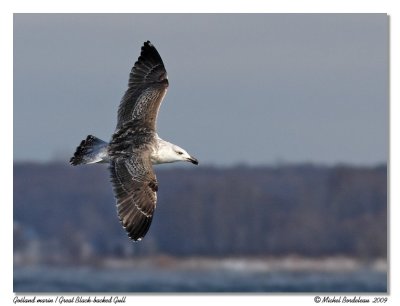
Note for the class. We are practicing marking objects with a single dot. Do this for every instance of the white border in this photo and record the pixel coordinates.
(7, 8)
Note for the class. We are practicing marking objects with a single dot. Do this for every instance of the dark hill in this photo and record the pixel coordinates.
(64, 213)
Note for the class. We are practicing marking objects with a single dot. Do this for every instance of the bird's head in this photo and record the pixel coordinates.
(182, 155)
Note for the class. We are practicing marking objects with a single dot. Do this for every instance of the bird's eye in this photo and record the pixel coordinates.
(180, 153)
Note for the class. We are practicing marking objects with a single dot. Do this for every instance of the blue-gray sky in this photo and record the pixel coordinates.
(244, 88)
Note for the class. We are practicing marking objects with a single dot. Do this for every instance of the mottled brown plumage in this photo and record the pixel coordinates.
(135, 145)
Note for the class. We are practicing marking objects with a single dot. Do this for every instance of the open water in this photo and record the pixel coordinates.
(61, 279)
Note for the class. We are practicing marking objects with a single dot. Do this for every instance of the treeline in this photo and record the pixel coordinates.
(67, 214)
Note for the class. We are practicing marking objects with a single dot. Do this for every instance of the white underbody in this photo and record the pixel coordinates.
(163, 152)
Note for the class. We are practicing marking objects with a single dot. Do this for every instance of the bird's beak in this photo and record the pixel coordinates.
(193, 160)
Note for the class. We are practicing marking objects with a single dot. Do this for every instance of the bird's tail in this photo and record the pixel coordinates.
(91, 150)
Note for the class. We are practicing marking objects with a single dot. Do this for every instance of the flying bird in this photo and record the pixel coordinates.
(135, 145)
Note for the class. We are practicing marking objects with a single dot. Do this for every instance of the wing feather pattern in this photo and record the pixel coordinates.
(132, 176)
(135, 188)
(147, 87)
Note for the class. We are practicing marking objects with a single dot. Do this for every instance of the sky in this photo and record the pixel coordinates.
(244, 88)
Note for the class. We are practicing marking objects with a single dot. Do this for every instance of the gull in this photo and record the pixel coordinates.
(135, 145)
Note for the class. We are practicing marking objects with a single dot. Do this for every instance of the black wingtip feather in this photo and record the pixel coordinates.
(149, 67)
(137, 231)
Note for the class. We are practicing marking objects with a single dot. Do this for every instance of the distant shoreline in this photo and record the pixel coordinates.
(286, 263)
(293, 263)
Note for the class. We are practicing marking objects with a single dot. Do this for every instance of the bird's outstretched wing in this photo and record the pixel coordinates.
(135, 188)
(147, 87)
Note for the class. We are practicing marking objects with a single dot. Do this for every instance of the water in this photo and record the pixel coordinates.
(60, 279)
